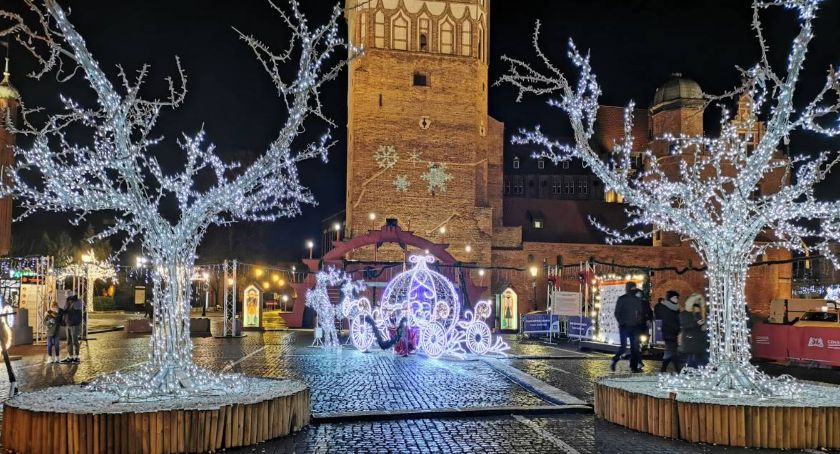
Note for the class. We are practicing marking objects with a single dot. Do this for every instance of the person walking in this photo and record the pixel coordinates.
(693, 342)
(52, 323)
(668, 311)
(631, 320)
(73, 320)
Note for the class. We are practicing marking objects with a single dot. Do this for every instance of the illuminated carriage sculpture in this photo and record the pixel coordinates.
(428, 301)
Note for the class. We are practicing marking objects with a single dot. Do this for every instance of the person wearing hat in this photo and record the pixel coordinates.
(693, 342)
(668, 311)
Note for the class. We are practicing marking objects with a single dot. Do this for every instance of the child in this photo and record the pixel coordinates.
(52, 322)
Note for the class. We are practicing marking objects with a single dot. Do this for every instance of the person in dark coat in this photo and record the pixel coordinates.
(631, 320)
(693, 342)
(73, 321)
(668, 311)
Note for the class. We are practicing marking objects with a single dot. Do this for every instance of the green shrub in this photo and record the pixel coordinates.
(103, 303)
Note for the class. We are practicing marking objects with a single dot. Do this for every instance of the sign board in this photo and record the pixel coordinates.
(565, 303)
(139, 295)
(580, 327)
(507, 308)
(540, 323)
(252, 307)
(607, 324)
(30, 295)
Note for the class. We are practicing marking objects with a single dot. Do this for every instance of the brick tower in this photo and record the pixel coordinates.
(677, 108)
(421, 146)
(9, 105)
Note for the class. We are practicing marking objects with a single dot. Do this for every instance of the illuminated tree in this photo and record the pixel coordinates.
(114, 169)
(712, 197)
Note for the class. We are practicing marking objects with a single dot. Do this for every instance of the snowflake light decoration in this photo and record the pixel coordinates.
(402, 183)
(386, 156)
(428, 301)
(415, 157)
(436, 177)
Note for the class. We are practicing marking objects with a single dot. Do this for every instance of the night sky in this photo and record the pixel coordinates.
(635, 45)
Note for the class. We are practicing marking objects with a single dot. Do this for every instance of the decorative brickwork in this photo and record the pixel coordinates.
(423, 150)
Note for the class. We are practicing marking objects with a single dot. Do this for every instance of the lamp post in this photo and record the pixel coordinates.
(337, 228)
(205, 276)
(534, 270)
(87, 259)
(309, 245)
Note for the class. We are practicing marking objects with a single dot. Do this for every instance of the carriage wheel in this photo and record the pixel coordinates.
(361, 333)
(478, 338)
(433, 340)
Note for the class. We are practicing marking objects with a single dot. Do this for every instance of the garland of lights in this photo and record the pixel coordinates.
(606, 322)
(427, 300)
(712, 201)
(117, 171)
(318, 299)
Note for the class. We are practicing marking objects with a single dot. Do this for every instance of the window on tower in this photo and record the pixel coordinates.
(423, 36)
(399, 34)
(421, 80)
(466, 39)
(516, 162)
(447, 38)
(480, 43)
(379, 29)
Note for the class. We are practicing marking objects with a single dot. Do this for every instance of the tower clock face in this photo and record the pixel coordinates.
(425, 122)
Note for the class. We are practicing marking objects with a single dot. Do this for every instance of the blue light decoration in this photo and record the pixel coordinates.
(427, 300)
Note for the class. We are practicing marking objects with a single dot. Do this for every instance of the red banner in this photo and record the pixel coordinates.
(815, 344)
(771, 341)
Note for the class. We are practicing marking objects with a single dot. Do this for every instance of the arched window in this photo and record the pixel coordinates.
(362, 28)
(423, 34)
(447, 37)
(379, 29)
(481, 43)
(399, 33)
(466, 38)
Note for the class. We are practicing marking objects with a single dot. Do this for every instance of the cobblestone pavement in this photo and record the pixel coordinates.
(347, 381)
(568, 434)
(577, 376)
(342, 380)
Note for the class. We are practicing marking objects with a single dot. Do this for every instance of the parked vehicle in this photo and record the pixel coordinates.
(789, 310)
(827, 316)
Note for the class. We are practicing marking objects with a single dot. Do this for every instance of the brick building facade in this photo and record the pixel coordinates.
(422, 149)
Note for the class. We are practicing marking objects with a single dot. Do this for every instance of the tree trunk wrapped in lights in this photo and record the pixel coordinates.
(116, 171)
(710, 198)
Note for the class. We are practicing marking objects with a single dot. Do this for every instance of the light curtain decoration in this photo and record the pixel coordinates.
(713, 197)
(115, 169)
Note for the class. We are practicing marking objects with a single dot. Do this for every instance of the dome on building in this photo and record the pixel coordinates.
(676, 88)
(7, 91)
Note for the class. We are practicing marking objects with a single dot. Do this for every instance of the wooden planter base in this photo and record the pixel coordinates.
(165, 431)
(777, 427)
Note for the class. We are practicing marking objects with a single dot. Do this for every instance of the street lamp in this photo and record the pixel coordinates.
(337, 228)
(534, 270)
(468, 248)
(309, 245)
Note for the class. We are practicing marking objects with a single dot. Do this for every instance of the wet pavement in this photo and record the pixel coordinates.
(349, 381)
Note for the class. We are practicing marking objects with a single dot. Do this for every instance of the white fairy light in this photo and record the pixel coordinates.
(715, 200)
(318, 299)
(427, 300)
(116, 171)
